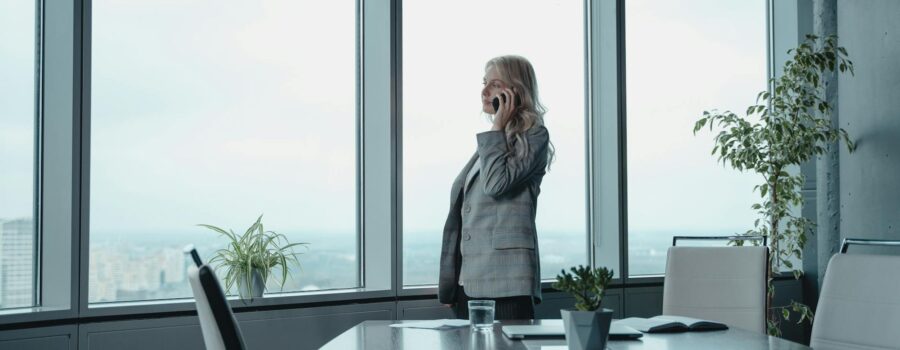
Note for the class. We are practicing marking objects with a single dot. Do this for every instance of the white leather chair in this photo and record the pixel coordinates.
(220, 328)
(724, 284)
(859, 305)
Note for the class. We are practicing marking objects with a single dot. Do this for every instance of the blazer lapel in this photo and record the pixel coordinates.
(461, 179)
(471, 175)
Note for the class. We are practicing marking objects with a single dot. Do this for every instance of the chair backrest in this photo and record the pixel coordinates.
(724, 284)
(859, 305)
(220, 328)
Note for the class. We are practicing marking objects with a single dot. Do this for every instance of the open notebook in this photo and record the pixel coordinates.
(669, 323)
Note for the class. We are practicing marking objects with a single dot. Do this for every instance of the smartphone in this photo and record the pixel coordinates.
(496, 102)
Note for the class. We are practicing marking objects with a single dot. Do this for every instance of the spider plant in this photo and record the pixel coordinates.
(255, 251)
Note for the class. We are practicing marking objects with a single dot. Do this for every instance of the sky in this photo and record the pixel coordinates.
(216, 114)
(247, 109)
(445, 49)
(16, 109)
(683, 58)
(443, 67)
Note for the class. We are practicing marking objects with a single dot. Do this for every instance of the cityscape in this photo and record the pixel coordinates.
(16, 263)
(152, 266)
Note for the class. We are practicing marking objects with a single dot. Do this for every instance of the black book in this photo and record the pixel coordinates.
(670, 324)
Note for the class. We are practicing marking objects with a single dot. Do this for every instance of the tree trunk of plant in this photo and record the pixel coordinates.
(774, 257)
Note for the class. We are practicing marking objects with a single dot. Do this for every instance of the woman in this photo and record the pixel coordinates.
(490, 248)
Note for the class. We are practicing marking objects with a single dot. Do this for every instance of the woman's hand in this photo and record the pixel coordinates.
(505, 111)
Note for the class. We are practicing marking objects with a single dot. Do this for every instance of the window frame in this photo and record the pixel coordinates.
(601, 127)
(372, 266)
(797, 17)
(64, 161)
(36, 196)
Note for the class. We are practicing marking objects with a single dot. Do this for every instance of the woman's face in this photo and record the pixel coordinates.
(492, 87)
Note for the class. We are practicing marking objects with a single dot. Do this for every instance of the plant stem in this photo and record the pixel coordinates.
(776, 217)
(773, 232)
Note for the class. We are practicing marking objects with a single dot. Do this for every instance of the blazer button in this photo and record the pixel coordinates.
(467, 236)
(467, 209)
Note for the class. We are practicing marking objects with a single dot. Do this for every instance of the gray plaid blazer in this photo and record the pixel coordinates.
(490, 241)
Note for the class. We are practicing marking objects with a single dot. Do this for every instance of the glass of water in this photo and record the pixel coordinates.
(481, 314)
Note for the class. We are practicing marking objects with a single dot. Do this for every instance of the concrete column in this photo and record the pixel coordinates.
(828, 197)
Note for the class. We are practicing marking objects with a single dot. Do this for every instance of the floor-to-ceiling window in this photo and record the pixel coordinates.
(682, 58)
(217, 113)
(19, 126)
(445, 48)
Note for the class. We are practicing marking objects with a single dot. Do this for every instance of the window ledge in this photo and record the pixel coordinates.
(12, 318)
(268, 301)
(30, 310)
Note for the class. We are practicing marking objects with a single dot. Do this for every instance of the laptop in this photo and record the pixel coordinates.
(555, 330)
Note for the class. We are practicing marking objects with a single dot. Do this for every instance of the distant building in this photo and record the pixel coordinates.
(17, 263)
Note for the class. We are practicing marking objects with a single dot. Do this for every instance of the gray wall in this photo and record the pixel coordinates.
(869, 109)
(304, 328)
(40, 338)
(868, 106)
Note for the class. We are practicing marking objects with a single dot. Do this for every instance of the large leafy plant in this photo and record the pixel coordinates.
(587, 285)
(254, 250)
(787, 126)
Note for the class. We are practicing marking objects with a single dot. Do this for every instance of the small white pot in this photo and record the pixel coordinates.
(257, 285)
(586, 330)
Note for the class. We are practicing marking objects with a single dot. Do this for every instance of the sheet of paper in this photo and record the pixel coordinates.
(433, 324)
(544, 345)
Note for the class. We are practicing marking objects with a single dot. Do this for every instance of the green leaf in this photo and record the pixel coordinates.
(586, 285)
(787, 131)
(256, 249)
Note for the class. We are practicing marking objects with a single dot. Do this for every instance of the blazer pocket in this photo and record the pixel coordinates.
(512, 240)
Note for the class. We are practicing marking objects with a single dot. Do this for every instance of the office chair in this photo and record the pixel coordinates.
(859, 305)
(220, 328)
(723, 284)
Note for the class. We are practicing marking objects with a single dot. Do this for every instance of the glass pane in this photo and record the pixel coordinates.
(443, 65)
(18, 64)
(211, 112)
(683, 58)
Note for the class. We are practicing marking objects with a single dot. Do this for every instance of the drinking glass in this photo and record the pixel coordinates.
(481, 314)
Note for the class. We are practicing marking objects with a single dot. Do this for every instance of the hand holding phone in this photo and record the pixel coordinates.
(496, 101)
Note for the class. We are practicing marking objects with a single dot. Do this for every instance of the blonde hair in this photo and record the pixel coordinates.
(519, 75)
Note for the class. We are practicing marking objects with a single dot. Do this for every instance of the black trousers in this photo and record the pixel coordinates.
(508, 308)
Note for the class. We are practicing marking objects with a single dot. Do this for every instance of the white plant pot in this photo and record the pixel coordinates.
(257, 285)
(586, 330)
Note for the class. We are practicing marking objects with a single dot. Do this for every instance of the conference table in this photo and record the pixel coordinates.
(378, 335)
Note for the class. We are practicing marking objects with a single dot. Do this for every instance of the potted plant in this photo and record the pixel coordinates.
(587, 326)
(788, 126)
(249, 258)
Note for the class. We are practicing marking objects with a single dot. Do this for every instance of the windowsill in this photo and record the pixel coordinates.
(139, 303)
(268, 301)
(10, 318)
(231, 298)
(546, 286)
(658, 279)
(29, 310)
(420, 286)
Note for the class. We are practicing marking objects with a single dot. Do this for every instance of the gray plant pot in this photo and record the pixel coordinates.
(257, 285)
(586, 330)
